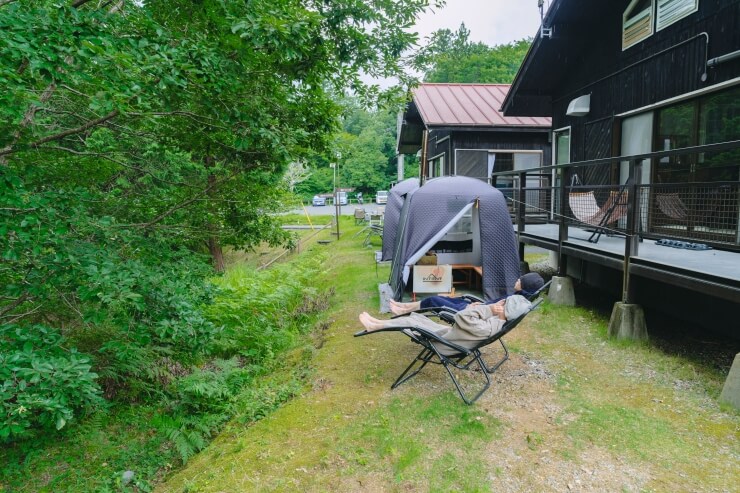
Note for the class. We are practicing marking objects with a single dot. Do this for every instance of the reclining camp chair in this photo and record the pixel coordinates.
(460, 358)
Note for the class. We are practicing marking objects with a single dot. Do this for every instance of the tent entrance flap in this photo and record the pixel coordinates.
(433, 240)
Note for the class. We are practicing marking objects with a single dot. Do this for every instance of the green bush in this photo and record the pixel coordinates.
(211, 389)
(262, 312)
(42, 385)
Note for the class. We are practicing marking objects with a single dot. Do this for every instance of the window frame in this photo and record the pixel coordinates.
(684, 11)
(629, 19)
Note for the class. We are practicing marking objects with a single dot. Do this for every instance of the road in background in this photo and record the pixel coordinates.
(346, 210)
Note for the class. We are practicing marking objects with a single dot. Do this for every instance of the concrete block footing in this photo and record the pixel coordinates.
(561, 291)
(628, 322)
(731, 389)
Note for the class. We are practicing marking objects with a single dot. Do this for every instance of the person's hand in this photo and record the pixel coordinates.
(497, 309)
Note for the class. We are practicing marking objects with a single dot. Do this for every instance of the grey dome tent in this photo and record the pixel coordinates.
(435, 208)
(396, 197)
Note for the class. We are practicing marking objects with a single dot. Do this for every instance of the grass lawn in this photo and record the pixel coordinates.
(570, 411)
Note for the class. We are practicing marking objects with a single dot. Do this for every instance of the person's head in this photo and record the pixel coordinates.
(515, 306)
(529, 283)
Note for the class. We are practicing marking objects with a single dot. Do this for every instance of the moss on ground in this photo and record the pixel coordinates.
(570, 410)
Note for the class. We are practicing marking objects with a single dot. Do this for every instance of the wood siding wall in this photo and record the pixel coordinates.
(667, 64)
(504, 140)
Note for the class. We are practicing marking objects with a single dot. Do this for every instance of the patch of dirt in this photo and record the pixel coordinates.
(531, 453)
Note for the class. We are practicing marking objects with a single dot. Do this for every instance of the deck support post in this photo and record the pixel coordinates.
(561, 291)
(628, 322)
(731, 389)
(563, 225)
(632, 239)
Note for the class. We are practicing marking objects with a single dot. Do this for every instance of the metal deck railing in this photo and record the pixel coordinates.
(619, 195)
(690, 195)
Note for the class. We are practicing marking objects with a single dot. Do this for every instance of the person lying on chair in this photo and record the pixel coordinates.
(472, 325)
(525, 286)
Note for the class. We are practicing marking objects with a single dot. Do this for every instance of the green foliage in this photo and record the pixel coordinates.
(188, 400)
(211, 389)
(368, 147)
(43, 385)
(187, 435)
(262, 312)
(136, 140)
(452, 57)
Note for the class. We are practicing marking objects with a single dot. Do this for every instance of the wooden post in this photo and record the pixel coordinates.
(423, 163)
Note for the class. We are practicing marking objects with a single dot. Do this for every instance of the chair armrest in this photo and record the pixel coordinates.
(432, 310)
(472, 298)
(420, 335)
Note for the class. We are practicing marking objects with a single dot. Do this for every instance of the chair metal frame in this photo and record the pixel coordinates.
(447, 314)
(462, 358)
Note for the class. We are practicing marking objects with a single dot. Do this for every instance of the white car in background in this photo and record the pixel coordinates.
(318, 200)
(381, 197)
(342, 198)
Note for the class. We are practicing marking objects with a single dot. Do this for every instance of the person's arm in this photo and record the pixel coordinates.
(480, 320)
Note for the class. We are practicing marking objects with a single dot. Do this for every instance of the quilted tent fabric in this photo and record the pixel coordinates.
(432, 206)
(396, 196)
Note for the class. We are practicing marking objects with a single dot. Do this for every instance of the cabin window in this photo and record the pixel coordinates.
(562, 146)
(706, 181)
(637, 22)
(670, 11)
(710, 119)
(437, 166)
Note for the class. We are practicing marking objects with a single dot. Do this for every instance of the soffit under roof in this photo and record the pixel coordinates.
(580, 30)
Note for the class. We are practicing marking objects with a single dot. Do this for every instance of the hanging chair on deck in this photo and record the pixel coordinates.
(585, 209)
(584, 206)
(671, 205)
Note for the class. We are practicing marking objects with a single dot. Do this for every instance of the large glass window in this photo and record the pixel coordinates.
(708, 120)
(719, 121)
(704, 184)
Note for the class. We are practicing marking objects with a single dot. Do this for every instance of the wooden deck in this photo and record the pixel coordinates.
(714, 272)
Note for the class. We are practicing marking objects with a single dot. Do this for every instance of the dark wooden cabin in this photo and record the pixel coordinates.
(459, 130)
(644, 97)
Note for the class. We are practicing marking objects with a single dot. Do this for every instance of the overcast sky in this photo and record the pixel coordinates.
(493, 22)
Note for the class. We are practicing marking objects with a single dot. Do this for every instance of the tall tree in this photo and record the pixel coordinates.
(136, 134)
(451, 57)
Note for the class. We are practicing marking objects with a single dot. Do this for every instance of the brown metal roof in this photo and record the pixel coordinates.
(468, 105)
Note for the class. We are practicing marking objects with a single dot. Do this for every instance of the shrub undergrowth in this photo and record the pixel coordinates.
(190, 357)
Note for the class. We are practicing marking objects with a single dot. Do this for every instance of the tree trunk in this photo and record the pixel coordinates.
(217, 254)
(214, 245)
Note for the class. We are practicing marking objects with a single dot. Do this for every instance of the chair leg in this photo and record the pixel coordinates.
(499, 362)
(476, 359)
(424, 356)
